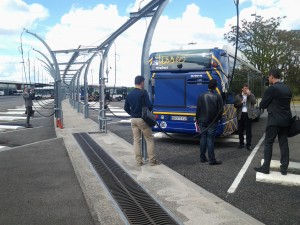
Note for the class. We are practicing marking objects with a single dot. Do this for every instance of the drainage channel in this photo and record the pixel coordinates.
(137, 205)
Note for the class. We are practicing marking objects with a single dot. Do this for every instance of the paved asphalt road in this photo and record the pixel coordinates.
(33, 190)
(272, 204)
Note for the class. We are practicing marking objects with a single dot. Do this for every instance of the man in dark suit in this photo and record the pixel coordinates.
(277, 100)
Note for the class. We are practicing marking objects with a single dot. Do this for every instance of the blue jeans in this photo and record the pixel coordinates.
(207, 141)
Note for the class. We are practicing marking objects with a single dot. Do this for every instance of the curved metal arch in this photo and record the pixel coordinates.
(58, 94)
(49, 63)
(145, 69)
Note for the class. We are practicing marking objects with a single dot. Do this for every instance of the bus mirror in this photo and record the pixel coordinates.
(179, 65)
(223, 54)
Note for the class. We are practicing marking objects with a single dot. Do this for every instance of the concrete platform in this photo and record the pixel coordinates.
(183, 199)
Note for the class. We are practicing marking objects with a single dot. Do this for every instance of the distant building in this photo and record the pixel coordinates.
(15, 87)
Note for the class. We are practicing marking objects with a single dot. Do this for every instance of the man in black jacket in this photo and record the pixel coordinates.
(209, 112)
(277, 100)
(245, 110)
(133, 106)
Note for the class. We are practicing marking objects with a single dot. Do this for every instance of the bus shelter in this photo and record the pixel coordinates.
(67, 66)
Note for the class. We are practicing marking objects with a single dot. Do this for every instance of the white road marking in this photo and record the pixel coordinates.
(13, 113)
(17, 109)
(11, 118)
(227, 140)
(117, 114)
(242, 172)
(4, 148)
(160, 135)
(125, 121)
(10, 127)
(275, 164)
(116, 110)
(277, 178)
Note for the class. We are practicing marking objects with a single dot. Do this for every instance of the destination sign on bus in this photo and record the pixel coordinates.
(181, 61)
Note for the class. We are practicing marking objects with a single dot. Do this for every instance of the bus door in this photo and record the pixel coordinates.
(196, 84)
(175, 99)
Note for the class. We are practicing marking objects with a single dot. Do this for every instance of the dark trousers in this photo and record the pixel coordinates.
(29, 114)
(271, 133)
(245, 124)
(207, 141)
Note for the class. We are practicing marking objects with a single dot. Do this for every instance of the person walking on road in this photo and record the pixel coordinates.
(28, 95)
(277, 100)
(209, 111)
(133, 106)
(245, 105)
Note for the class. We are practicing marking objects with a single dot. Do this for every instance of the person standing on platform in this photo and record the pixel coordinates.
(133, 106)
(245, 105)
(277, 101)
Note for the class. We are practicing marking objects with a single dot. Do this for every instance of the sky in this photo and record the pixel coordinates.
(67, 24)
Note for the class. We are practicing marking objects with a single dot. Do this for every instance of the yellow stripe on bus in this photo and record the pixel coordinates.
(174, 113)
(210, 78)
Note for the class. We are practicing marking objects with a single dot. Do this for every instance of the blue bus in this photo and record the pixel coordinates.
(179, 77)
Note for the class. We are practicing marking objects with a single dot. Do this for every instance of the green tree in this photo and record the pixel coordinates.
(266, 46)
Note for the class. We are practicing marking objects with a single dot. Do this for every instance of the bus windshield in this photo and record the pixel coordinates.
(179, 60)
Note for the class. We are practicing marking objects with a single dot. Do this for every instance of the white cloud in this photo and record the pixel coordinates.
(88, 27)
(84, 27)
(16, 14)
(278, 8)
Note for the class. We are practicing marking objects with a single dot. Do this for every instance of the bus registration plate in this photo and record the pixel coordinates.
(180, 118)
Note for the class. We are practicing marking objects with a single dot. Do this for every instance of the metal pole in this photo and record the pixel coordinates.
(86, 105)
(145, 69)
(101, 91)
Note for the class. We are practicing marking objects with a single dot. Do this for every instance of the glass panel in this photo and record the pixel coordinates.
(181, 60)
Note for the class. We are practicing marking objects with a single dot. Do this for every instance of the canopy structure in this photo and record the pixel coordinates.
(68, 65)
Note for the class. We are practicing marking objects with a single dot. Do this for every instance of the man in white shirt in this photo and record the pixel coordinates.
(245, 105)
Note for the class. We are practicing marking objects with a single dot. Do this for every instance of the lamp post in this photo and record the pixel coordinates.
(115, 54)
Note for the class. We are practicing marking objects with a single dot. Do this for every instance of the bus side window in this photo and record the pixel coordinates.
(224, 61)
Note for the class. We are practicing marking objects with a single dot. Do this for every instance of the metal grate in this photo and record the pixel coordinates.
(136, 204)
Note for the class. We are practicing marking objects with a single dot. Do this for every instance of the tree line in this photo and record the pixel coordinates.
(267, 46)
